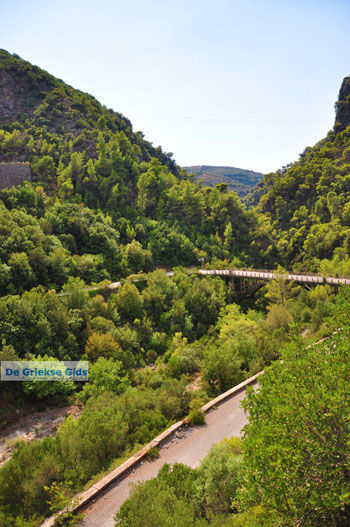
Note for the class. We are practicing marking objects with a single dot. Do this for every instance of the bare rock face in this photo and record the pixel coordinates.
(342, 119)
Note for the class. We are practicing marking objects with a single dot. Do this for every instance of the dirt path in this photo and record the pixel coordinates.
(189, 447)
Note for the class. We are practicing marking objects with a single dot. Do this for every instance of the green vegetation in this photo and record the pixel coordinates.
(182, 496)
(105, 205)
(305, 206)
(144, 344)
(293, 465)
(84, 157)
(236, 179)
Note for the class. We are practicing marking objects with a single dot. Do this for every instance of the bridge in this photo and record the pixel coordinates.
(303, 278)
(248, 282)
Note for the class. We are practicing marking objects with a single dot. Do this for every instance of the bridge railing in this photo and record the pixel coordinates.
(270, 275)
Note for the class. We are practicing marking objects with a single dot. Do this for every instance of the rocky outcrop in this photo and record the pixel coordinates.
(342, 119)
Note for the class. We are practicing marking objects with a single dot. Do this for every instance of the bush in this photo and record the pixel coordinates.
(196, 415)
(153, 453)
(298, 434)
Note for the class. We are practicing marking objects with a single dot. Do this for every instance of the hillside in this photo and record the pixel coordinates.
(237, 179)
(307, 205)
(32, 98)
(85, 158)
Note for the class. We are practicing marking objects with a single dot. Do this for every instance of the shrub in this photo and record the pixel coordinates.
(153, 453)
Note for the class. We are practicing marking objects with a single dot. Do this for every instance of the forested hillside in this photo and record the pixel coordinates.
(237, 179)
(83, 155)
(307, 204)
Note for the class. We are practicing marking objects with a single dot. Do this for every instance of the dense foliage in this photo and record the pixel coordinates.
(293, 466)
(305, 206)
(105, 205)
(80, 152)
(145, 344)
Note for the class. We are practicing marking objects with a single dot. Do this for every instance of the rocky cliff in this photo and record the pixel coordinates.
(342, 119)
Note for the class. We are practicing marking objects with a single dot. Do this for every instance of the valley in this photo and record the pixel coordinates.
(175, 292)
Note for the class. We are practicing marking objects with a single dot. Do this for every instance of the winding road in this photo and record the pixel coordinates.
(188, 446)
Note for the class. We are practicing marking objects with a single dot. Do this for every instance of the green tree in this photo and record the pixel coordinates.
(74, 293)
(21, 271)
(219, 477)
(279, 290)
(296, 442)
(42, 389)
(135, 257)
(221, 369)
(161, 501)
(105, 375)
(129, 302)
(101, 345)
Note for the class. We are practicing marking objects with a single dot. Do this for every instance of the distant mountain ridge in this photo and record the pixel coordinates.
(237, 179)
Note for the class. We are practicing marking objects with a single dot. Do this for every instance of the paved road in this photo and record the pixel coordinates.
(189, 448)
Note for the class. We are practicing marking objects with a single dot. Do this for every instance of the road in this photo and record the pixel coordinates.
(188, 447)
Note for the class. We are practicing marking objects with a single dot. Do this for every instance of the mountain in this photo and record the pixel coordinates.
(90, 186)
(237, 179)
(32, 98)
(306, 206)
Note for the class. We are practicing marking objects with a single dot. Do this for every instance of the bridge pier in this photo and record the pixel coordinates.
(245, 288)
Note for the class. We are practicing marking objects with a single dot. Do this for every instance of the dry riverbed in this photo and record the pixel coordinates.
(33, 425)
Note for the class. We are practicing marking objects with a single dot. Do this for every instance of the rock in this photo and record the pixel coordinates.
(342, 119)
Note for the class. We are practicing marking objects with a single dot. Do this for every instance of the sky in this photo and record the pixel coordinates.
(245, 83)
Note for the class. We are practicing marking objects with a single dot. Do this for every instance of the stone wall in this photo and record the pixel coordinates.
(14, 174)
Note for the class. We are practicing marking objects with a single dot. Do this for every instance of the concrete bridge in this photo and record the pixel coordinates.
(248, 282)
(303, 278)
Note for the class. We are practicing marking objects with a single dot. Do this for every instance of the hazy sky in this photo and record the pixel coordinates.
(247, 83)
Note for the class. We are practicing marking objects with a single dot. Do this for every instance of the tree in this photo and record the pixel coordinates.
(296, 442)
(219, 476)
(221, 369)
(41, 389)
(21, 271)
(161, 501)
(135, 257)
(203, 301)
(279, 290)
(105, 375)
(74, 293)
(129, 302)
(101, 345)
(229, 239)
(99, 435)
(45, 169)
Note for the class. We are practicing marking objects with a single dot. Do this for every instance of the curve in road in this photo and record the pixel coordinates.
(188, 446)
